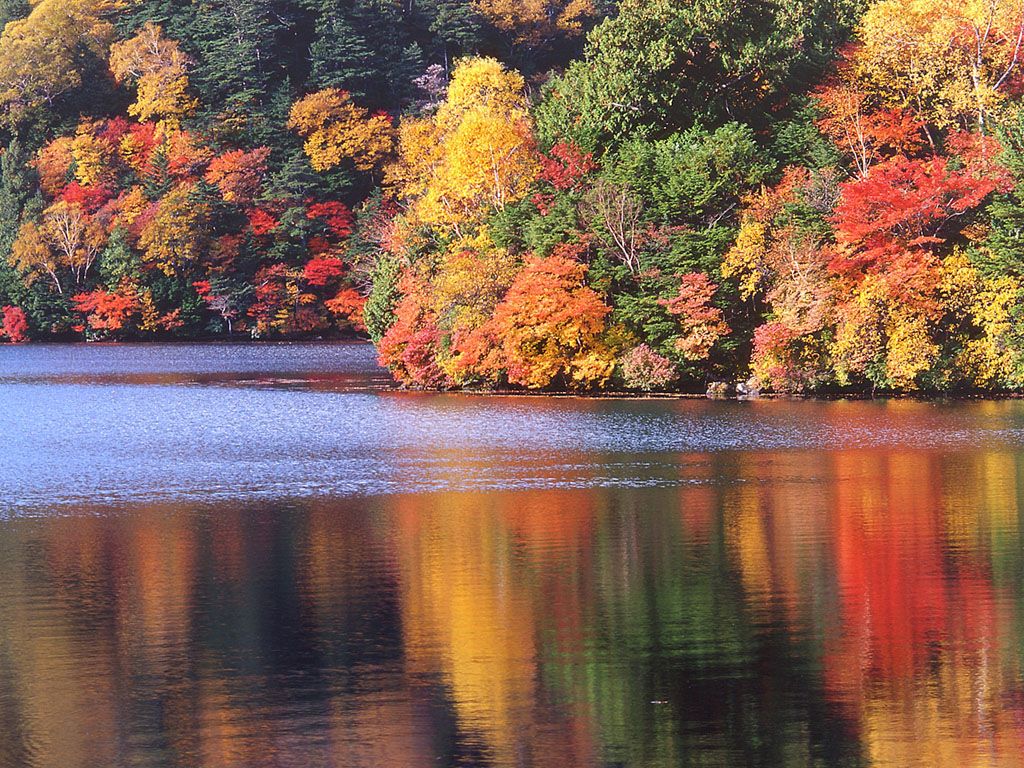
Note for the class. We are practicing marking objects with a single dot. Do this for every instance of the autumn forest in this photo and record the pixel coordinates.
(827, 195)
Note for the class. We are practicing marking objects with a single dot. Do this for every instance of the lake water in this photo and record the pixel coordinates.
(237, 555)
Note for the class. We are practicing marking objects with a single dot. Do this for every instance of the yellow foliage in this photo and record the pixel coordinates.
(469, 282)
(159, 70)
(474, 156)
(483, 84)
(32, 257)
(66, 240)
(175, 235)
(130, 206)
(91, 155)
(40, 54)
(910, 350)
(883, 338)
(149, 314)
(745, 260)
(942, 59)
(335, 128)
(985, 358)
(536, 21)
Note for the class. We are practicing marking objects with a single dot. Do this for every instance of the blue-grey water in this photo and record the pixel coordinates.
(266, 555)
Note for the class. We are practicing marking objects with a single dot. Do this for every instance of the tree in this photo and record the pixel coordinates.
(15, 325)
(944, 61)
(644, 369)
(534, 22)
(17, 187)
(617, 212)
(159, 70)
(238, 174)
(174, 237)
(40, 55)
(700, 321)
(107, 312)
(656, 66)
(336, 129)
(548, 327)
(903, 208)
(474, 156)
(67, 240)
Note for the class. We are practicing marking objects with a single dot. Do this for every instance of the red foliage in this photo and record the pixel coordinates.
(410, 346)
(866, 136)
(105, 310)
(336, 216)
(901, 206)
(114, 130)
(142, 139)
(15, 325)
(271, 291)
(261, 222)
(643, 368)
(90, 199)
(565, 166)
(317, 246)
(411, 354)
(322, 270)
(186, 155)
(543, 202)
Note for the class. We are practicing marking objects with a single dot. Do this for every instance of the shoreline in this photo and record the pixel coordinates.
(611, 394)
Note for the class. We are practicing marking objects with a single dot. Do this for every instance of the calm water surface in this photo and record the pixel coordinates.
(231, 555)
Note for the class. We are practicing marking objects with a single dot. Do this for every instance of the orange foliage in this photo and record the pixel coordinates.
(549, 326)
(701, 321)
(107, 311)
(237, 173)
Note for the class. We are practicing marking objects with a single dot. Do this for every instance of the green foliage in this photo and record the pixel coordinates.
(661, 66)
(118, 260)
(692, 177)
(379, 312)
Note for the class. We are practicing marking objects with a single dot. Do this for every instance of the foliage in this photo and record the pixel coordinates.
(474, 156)
(644, 369)
(826, 194)
(15, 324)
(336, 129)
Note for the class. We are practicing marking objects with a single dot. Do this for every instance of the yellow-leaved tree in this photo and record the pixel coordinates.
(40, 55)
(65, 242)
(944, 60)
(336, 128)
(159, 70)
(474, 156)
(534, 22)
(176, 234)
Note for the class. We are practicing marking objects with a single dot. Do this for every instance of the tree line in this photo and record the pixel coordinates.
(549, 194)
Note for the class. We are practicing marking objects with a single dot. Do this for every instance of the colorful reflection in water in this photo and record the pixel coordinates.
(850, 604)
(848, 608)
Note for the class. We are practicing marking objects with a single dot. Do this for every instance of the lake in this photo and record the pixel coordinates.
(262, 555)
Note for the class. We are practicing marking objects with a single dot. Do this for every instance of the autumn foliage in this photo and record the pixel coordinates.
(827, 196)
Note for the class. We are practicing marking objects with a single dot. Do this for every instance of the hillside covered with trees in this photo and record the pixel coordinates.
(548, 194)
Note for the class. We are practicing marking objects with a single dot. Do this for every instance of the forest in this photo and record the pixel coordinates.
(570, 195)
